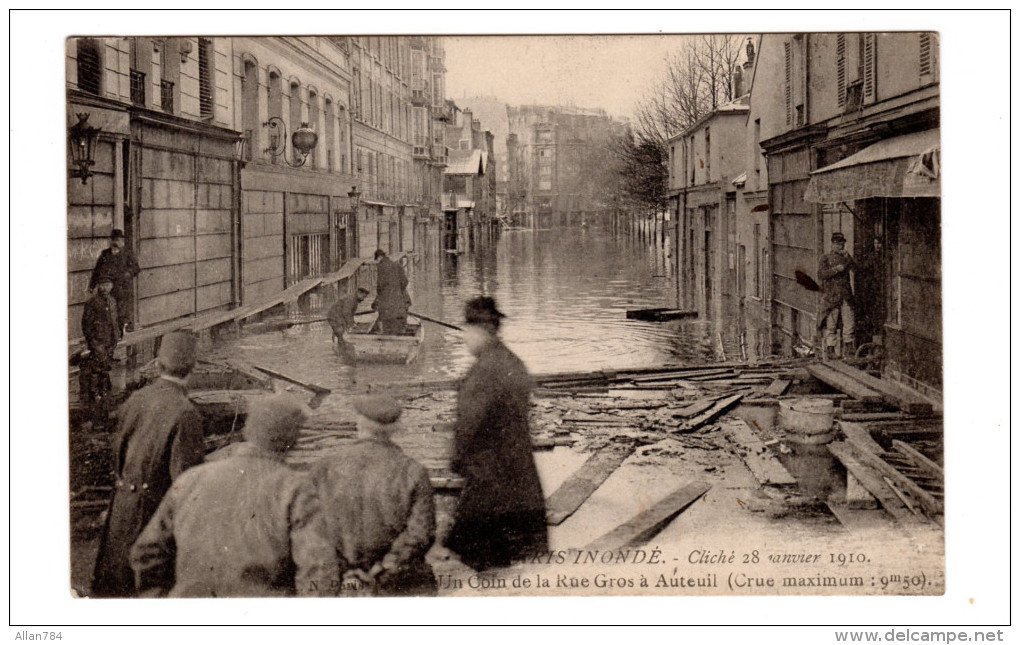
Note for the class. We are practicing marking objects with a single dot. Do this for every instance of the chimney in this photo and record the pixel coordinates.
(738, 82)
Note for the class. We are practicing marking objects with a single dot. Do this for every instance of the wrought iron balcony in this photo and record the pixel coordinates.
(419, 98)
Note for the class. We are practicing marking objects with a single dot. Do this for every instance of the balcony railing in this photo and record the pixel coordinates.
(420, 152)
(137, 87)
(166, 95)
(419, 98)
(442, 113)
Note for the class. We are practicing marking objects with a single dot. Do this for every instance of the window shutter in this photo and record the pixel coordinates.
(840, 70)
(869, 68)
(926, 62)
(789, 82)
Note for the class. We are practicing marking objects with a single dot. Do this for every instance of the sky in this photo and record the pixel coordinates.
(598, 71)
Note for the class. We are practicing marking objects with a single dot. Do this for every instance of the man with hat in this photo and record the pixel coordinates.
(837, 296)
(102, 331)
(119, 264)
(159, 437)
(341, 314)
(247, 525)
(391, 298)
(500, 517)
(379, 507)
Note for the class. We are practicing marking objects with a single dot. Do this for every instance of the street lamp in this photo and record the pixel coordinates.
(303, 140)
(82, 138)
(355, 196)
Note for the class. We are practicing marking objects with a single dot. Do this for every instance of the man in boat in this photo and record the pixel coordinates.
(341, 314)
(245, 526)
(101, 326)
(500, 517)
(379, 506)
(120, 264)
(837, 297)
(158, 438)
(391, 298)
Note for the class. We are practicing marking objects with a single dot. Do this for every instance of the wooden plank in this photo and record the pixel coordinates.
(844, 383)
(930, 505)
(872, 480)
(580, 485)
(644, 526)
(857, 435)
(718, 408)
(925, 464)
(893, 393)
(857, 496)
(778, 387)
(760, 461)
(679, 374)
(318, 389)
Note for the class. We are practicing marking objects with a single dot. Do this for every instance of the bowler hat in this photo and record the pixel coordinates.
(482, 310)
(178, 351)
(274, 422)
(115, 233)
(838, 237)
(378, 408)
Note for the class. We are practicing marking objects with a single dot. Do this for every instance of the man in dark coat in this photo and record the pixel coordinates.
(244, 526)
(158, 438)
(379, 507)
(391, 298)
(837, 296)
(120, 264)
(500, 517)
(101, 327)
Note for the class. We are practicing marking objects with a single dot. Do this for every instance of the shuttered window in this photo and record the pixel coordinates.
(928, 63)
(841, 70)
(89, 65)
(205, 77)
(788, 53)
(870, 91)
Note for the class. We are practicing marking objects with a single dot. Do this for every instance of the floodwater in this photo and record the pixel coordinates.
(565, 293)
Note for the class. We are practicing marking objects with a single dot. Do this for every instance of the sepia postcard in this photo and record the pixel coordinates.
(626, 314)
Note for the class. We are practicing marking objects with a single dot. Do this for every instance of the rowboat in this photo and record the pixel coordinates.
(660, 314)
(372, 347)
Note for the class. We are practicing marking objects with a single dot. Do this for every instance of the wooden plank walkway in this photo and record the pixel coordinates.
(875, 484)
(844, 383)
(760, 461)
(644, 526)
(580, 485)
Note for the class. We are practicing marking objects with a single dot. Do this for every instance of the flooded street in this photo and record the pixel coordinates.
(565, 293)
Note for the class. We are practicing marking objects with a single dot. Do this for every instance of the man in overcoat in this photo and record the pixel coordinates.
(159, 436)
(120, 264)
(102, 331)
(837, 296)
(391, 298)
(500, 517)
(247, 525)
(379, 506)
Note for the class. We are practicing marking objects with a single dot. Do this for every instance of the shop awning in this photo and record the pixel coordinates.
(903, 166)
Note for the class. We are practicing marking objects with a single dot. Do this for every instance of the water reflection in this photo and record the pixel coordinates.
(565, 292)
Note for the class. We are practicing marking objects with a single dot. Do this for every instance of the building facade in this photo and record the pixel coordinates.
(850, 126)
(196, 162)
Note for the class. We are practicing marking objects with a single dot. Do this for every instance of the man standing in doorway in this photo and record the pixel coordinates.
(837, 296)
(391, 298)
(100, 325)
(121, 265)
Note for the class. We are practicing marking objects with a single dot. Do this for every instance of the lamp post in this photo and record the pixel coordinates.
(355, 196)
(82, 138)
(303, 140)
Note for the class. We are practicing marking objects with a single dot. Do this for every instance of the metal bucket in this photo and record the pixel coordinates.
(806, 417)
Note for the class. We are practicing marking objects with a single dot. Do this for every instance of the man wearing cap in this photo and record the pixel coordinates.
(837, 296)
(341, 314)
(391, 298)
(119, 264)
(379, 506)
(500, 517)
(159, 437)
(244, 526)
(102, 331)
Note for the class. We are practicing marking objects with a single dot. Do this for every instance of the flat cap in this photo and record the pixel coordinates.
(378, 408)
(274, 422)
(178, 351)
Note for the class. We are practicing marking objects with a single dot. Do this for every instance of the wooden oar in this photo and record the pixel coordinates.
(433, 320)
(318, 389)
